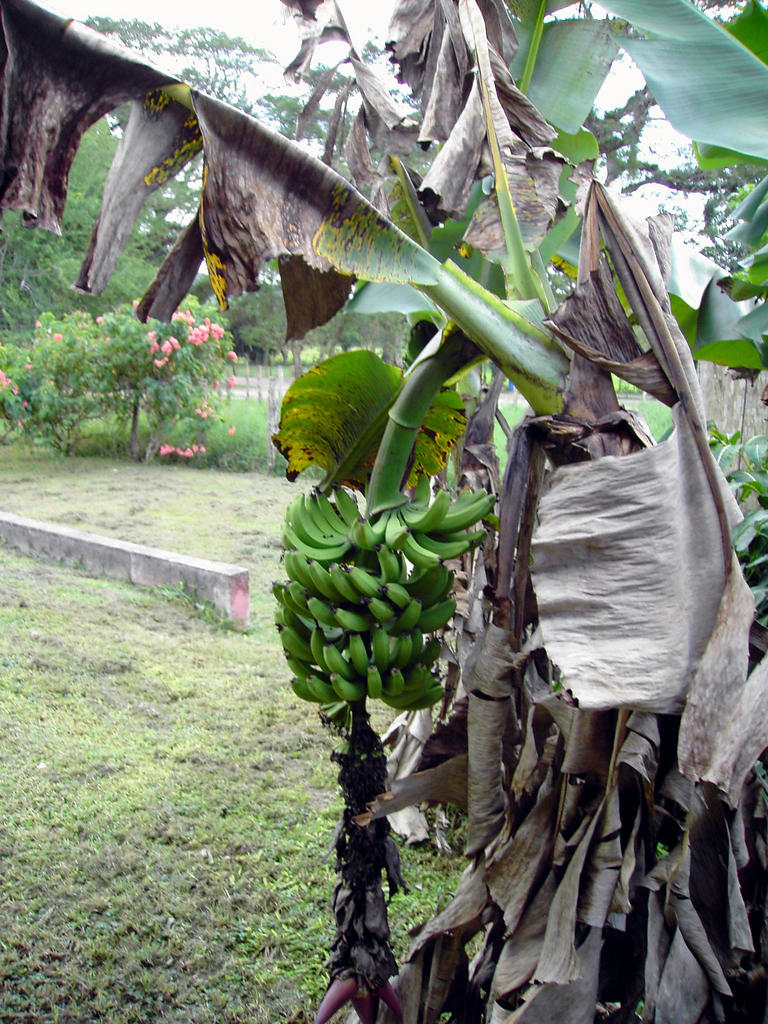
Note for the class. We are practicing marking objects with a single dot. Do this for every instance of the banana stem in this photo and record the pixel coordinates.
(527, 353)
(406, 417)
(533, 48)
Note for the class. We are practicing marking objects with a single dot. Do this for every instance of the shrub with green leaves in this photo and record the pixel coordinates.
(170, 380)
(745, 464)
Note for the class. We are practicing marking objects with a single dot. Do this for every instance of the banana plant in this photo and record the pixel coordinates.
(611, 725)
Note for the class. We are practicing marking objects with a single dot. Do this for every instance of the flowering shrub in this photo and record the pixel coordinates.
(163, 381)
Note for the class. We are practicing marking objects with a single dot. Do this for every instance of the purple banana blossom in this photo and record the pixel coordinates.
(364, 1002)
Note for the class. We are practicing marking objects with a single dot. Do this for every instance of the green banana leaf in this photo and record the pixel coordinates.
(710, 84)
(574, 59)
(334, 415)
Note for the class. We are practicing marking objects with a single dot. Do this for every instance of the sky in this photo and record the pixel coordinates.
(263, 23)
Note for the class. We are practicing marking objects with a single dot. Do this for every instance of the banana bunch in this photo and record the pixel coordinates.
(362, 593)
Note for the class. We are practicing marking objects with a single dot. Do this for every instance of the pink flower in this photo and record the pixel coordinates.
(215, 385)
(232, 381)
(25, 404)
(202, 449)
(217, 331)
(151, 335)
(135, 303)
(58, 337)
(38, 324)
(167, 347)
(99, 319)
(232, 356)
(161, 362)
(174, 343)
(231, 430)
(18, 423)
(154, 347)
(166, 449)
(27, 366)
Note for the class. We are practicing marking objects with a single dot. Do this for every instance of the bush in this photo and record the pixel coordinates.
(745, 464)
(168, 379)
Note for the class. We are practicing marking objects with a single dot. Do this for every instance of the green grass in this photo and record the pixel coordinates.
(167, 802)
(243, 451)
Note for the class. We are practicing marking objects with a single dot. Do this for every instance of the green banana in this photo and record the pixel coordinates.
(338, 664)
(364, 535)
(374, 683)
(317, 551)
(337, 712)
(285, 617)
(295, 598)
(452, 545)
(430, 652)
(321, 611)
(317, 643)
(294, 645)
(427, 698)
(380, 648)
(396, 530)
(417, 646)
(422, 492)
(299, 668)
(347, 592)
(317, 523)
(302, 690)
(358, 653)
(418, 555)
(346, 689)
(418, 679)
(407, 619)
(436, 617)
(329, 514)
(391, 565)
(297, 566)
(424, 520)
(431, 585)
(321, 686)
(303, 520)
(462, 515)
(381, 610)
(365, 582)
(295, 518)
(402, 649)
(323, 583)
(353, 621)
(346, 506)
(393, 683)
(396, 593)
(290, 603)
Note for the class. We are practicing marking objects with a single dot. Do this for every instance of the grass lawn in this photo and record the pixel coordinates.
(167, 801)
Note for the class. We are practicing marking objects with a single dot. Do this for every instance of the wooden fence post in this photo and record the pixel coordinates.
(273, 419)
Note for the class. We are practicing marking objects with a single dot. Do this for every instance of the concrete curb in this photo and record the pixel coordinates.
(225, 586)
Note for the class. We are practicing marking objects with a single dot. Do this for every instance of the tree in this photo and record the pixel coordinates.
(609, 738)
